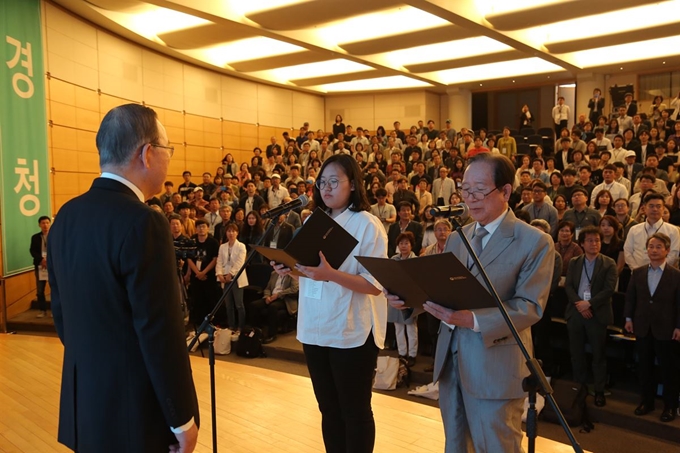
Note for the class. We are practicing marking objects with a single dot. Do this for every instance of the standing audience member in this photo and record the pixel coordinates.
(38, 251)
(405, 223)
(591, 281)
(201, 273)
(343, 314)
(565, 244)
(405, 328)
(652, 313)
(230, 258)
(129, 386)
(383, 210)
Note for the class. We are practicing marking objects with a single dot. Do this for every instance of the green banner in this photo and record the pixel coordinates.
(23, 131)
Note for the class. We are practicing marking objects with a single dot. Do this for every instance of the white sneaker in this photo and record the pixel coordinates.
(42, 314)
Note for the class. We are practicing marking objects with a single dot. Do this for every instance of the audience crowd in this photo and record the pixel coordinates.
(601, 189)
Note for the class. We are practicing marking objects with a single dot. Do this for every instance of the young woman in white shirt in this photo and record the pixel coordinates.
(342, 314)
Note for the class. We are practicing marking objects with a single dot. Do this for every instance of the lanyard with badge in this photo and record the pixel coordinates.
(42, 270)
(586, 294)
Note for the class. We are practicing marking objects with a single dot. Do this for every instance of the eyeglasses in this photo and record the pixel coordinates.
(476, 194)
(171, 149)
(332, 183)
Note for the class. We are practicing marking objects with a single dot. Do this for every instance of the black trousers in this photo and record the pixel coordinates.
(342, 381)
(559, 126)
(666, 351)
(268, 314)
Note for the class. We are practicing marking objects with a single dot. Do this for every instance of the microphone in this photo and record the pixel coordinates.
(300, 201)
(453, 210)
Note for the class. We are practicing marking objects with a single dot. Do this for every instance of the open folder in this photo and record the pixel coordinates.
(438, 278)
(319, 233)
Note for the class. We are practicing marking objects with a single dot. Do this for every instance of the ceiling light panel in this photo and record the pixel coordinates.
(489, 7)
(451, 50)
(389, 22)
(246, 7)
(305, 71)
(153, 21)
(244, 50)
(500, 70)
(636, 51)
(382, 83)
(607, 23)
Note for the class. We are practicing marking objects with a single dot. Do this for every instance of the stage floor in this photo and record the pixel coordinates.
(257, 409)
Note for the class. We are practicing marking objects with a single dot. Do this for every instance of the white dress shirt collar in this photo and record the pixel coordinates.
(122, 180)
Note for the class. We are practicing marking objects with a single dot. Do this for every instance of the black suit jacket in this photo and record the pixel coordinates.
(36, 248)
(394, 231)
(658, 314)
(285, 235)
(258, 201)
(603, 282)
(126, 375)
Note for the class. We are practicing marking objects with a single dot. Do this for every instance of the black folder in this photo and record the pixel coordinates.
(319, 233)
(438, 278)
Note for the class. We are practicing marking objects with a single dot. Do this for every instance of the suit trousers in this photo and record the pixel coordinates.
(473, 424)
(235, 305)
(342, 381)
(407, 338)
(580, 329)
(666, 351)
(40, 291)
(269, 313)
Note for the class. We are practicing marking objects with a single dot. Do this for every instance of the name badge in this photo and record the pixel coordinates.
(313, 288)
(198, 264)
(586, 295)
(272, 244)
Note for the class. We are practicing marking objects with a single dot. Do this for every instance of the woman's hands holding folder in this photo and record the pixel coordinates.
(322, 272)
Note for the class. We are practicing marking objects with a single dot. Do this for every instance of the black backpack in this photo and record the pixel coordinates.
(249, 343)
(575, 411)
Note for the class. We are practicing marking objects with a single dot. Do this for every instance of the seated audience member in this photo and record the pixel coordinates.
(539, 209)
(617, 190)
(591, 280)
(405, 328)
(382, 210)
(538, 171)
(612, 245)
(403, 194)
(604, 203)
(560, 204)
(656, 326)
(423, 195)
(280, 300)
(292, 218)
(280, 235)
(427, 221)
(188, 224)
(230, 258)
(646, 182)
(565, 244)
(580, 214)
(405, 223)
(635, 247)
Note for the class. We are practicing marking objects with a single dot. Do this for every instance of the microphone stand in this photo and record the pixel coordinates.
(536, 381)
(207, 326)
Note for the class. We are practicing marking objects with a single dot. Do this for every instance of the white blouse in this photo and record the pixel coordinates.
(336, 316)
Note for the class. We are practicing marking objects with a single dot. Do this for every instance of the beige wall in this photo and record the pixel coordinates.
(206, 114)
(370, 110)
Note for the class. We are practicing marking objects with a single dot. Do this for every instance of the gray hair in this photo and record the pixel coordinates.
(123, 130)
(541, 224)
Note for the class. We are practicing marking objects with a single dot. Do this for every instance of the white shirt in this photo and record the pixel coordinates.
(560, 113)
(230, 260)
(213, 219)
(635, 248)
(617, 190)
(276, 196)
(339, 317)
(122, 180)
(618, 155)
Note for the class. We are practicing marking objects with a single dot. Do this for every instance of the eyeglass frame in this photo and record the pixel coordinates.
(171, 149)
(473, 194)
(321, 184)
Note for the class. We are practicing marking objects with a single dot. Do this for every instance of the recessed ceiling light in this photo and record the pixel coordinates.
(513, 81)
(480, 84)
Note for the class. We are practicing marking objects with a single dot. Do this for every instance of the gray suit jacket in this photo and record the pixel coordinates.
(289, 291)
(519, 260)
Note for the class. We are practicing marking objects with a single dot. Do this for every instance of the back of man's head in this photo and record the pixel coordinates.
(123, 130)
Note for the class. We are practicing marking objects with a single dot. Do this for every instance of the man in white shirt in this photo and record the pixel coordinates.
(276, 192)
(617, 190)
(386, 212)
(360, 138)
(646, 183)
(618, 152)
(625, 121)
(602, 142)
(539, 209)
(560, 114)
(443, 187)
(635, 247)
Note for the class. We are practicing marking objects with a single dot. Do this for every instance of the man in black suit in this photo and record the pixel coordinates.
(39, 253)
(652, 313)
(126, 379)
(251, 201)
(590, 283)
(281, 234)
(405, 223)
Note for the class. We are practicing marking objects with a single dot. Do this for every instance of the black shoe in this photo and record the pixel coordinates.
(410, 361)
(600, 400)
(668, 415)
(269, 339)
(644, 409)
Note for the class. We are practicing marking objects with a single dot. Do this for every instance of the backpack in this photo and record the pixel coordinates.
(249, 343)
(575, 411)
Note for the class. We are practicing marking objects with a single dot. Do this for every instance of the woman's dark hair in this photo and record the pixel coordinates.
(252, 232)
(562, 197)
(614, 222)
(408, 236)
(566, 223)
(604, 192)
(358, 199)
(380, 129)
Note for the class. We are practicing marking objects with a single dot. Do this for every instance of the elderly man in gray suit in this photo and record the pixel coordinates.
(478, 365)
